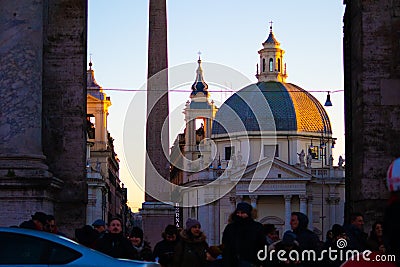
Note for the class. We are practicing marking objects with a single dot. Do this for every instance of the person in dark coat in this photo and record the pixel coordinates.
(142, 247)
(355, 232)
(114, 243)
(307, 239)
(242, 238)
(37, 222)
(51, 225)
(191, 248)
(287, 244)
(164, 250)
(338, 233)
(375, 239)
(100, 226)
(86, 236)
(270, 233)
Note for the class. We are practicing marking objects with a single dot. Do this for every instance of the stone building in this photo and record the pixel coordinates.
(252, 149)
(106, 197)
(372, 102)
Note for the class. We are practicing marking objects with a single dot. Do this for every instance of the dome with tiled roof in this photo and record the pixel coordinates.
(287, 107)
(271, 104)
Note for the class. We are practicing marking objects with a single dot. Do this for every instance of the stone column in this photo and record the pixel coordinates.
(211, 218)
(288, 211)
(253, 200)
(25, 184)
(303, 204)
(232, 200)
(21, 57)
(333, 203)
(310, 213)
(157, 122)
(157, 214)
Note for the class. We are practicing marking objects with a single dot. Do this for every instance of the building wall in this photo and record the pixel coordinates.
(372, 101)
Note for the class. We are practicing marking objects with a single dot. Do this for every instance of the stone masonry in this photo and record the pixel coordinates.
(156, 214)
(372, 101)
(43, 110)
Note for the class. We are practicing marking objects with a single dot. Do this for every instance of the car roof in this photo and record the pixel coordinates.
(74, 245)
(41, 234)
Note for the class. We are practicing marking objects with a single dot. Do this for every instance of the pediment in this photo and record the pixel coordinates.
(270, 169)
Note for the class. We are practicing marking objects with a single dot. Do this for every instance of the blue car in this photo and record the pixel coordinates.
(24, 247)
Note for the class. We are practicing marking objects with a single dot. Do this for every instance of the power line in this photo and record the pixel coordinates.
(222, 91)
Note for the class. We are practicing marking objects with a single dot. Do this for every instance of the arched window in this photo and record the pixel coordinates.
(279, 65)
(263, 65)
(271, 65)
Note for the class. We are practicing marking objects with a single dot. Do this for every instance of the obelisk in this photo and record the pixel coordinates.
(156, 214)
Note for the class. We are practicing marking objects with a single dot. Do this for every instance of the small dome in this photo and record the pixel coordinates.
(199, 86)
(271, 39)
(291, 107)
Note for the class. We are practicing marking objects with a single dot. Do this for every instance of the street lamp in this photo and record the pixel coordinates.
(322, 147)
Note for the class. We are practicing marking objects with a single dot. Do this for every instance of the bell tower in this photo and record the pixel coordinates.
(271, 64)
(199, 114)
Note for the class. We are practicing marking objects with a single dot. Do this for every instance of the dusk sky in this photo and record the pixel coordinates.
(228, 33)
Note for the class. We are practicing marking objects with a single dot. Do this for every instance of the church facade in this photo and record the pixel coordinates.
(270, 144)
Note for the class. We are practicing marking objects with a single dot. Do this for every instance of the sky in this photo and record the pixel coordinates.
(226, 32)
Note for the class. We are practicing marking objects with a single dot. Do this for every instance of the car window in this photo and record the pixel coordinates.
(24, 249)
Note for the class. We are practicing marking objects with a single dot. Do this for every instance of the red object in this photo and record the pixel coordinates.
(393, 176)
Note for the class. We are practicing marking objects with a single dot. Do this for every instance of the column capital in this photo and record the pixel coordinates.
(303, 197)
(239, 198)
(287, 197)
(253, 197)
(333, 200)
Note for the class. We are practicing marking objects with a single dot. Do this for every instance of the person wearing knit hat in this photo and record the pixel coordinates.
(137, 232)
(244, 208)
(142, 247)
(192, 223)
(171, 230)
(242, 238)
(192, 246)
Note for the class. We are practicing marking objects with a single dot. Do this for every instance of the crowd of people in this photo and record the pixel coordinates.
(242, 241)
(246, 242)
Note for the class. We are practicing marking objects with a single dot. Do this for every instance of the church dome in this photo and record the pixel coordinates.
(290, 107)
